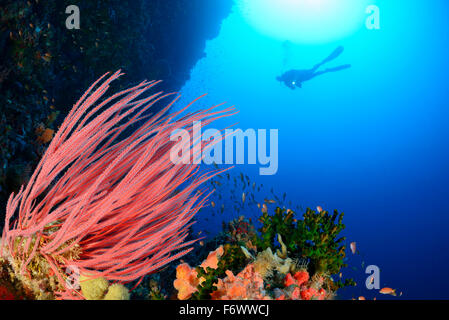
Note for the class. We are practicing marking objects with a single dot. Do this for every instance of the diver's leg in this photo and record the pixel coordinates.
(339, 68)
(334, 55)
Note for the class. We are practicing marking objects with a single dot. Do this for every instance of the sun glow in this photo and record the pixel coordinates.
(305, 21)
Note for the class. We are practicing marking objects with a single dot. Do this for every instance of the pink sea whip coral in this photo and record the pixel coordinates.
(103, 201)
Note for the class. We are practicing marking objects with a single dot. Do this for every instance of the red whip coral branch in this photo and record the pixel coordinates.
(113, 208)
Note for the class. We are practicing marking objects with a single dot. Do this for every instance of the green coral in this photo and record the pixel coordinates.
(315, 237)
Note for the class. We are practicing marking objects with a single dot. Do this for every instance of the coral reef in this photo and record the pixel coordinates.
(307, 252)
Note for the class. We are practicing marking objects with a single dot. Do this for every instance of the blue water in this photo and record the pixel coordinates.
(371, 141)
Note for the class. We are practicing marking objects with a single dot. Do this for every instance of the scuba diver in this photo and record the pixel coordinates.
(295, 78)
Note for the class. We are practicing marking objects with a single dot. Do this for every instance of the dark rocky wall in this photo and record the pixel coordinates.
(45, 67)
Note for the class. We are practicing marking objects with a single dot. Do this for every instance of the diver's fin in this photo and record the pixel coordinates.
(334, 54)
(339, 68)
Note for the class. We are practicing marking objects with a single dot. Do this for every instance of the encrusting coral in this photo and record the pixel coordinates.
(187, 280)
(246, 285)
(105, 201)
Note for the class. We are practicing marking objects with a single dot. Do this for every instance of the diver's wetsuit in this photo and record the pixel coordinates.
(295, 78)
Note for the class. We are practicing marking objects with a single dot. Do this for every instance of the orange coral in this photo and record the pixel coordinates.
(247, 285)
(289, 280)
(312, 293)
(187, 280)
(303, 289)
(300, 278)
(212, 259)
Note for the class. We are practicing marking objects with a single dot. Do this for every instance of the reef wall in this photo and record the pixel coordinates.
(44, 66)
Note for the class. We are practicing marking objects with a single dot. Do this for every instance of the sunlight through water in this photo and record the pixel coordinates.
(305, 21)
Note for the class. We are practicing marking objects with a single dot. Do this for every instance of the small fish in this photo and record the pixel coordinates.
(258, 205)
(387, 290)
(341, 275)
(47, 57)
(243, 197)
(319, 209)
(201, 243)
(200, 232)
(362, 298)
(269, 201)
(353, 246)
(212, 204)
(264, 208)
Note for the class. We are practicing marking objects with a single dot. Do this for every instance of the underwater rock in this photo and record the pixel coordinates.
(45, 67)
